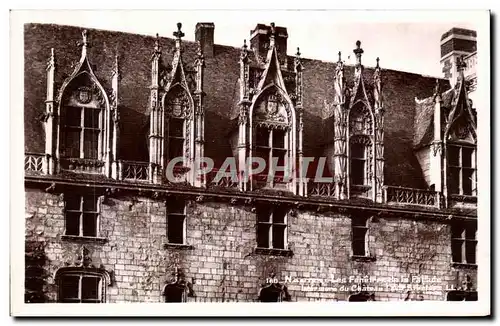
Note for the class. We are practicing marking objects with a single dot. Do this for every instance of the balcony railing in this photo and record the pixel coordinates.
(33, 162)
(412, 196)
(132, 170)
(322, 189)
(225, 181)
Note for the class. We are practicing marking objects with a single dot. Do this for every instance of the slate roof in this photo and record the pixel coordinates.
(221, 88)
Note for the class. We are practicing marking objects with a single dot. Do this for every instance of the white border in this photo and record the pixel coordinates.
(481, 307)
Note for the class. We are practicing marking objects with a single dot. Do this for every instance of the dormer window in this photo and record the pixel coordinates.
(461, 170)
(82, 132)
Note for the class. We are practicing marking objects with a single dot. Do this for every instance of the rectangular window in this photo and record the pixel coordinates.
(176, 139)
(176, 221)
(269, 144)
(461, 170)
(83, 129)
(80, 288)
(271, 227)
(359, 236)
(358, 164)
(82, 215)
(463, 242)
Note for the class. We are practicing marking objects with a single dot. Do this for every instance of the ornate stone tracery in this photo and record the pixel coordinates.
(81, 91)
(358, 119)
(270, 98)
(177, 93)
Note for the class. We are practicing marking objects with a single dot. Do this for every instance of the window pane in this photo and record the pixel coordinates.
(176, 128)
(263, 235)
(470, 232)
(359, 221)
(89, 224)
(72, 202)
(73, 117)
(90, 203)
(279, 215)
(470, 252)
(175, 227)
(454, 155)
(467, 156)
(175, 148)
(176, 206)
(280, 154)
(456, 250)
(90, 287)
(358, 172)
(457, 231)
(261, 137)
(91, 143)
(278, 139)
(69, 287)
(72, 223)
(454, 180)
(467, 181)
(91, 118)
(72, 143)
(359, 241)
(279, 236)
(357, 151)
(263, 213)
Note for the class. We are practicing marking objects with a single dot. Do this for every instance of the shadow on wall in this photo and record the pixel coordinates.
(35, 274)
(134, 131)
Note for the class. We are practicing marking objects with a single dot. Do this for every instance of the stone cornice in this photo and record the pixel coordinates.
(114, 188)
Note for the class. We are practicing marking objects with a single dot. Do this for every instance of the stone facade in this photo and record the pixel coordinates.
(395, 235)
(221, 261)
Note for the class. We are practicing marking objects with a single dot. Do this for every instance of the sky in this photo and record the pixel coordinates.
(401, 41)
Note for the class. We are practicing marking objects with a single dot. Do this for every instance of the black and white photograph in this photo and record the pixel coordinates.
(277, 162)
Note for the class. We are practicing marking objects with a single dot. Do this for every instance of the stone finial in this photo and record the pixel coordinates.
(179, 34)
(358, 51)
(378, 61)
(84, 38)
(340, 57)
(157, 48)
(298, 52)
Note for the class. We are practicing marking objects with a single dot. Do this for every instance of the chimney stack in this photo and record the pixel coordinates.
(260, 41)
(204, 33)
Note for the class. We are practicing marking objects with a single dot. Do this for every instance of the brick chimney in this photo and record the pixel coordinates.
(259, 41)
(204, 33)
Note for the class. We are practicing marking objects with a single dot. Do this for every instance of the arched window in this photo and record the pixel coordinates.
(82, 121)
(271, 139)
(81, 285)
(178, 289)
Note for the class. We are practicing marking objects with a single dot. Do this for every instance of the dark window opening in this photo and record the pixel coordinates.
(463, 242)
(176, 221)
(82, 131)
(359, 236)
(81, 215)
(80, 288)
(271, 227)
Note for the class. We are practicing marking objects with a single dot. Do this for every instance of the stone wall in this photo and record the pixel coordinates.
(222, 263)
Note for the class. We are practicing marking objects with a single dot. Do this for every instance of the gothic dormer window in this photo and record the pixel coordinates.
(268, 142)
(177, 117)
(84, 132)
(460, 143)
